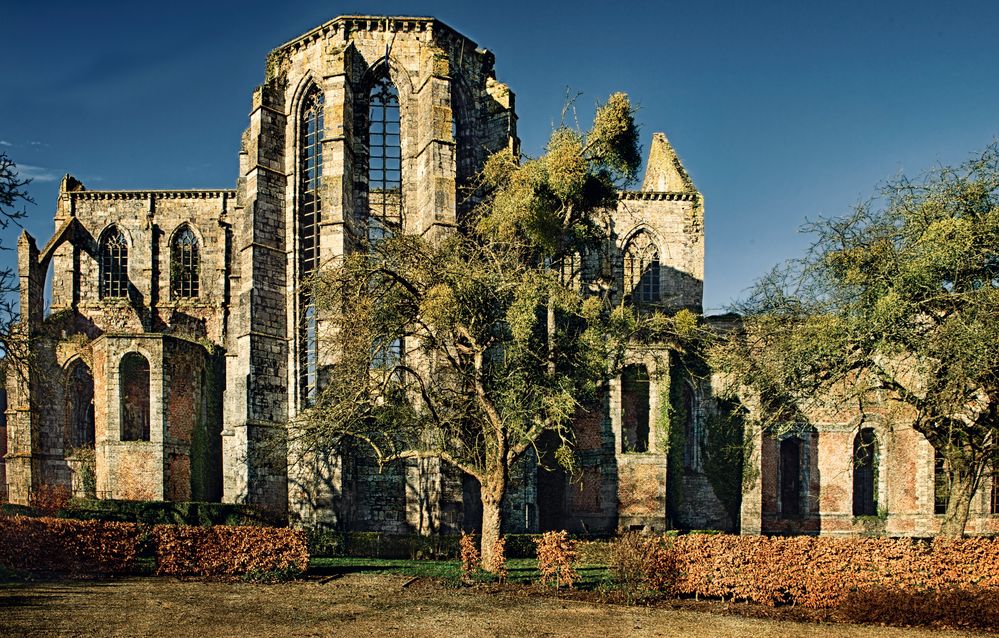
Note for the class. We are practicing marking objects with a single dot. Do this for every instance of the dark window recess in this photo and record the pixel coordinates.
(790, 477)
(865, 473)
(80, 395)
(309, 218)
(691, 435)
(635, 409)
(134, 380)
(941, 483)
(994, 500)
(113, 264)
(185, 265)
(641, 270)
(384, 162)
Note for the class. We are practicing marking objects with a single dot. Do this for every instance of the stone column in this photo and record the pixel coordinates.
(256, 398)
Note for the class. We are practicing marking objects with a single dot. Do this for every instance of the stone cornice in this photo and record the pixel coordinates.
(349, 24)
(155, 194)
(653, 196)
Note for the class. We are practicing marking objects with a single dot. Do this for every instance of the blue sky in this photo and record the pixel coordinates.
(781, 111)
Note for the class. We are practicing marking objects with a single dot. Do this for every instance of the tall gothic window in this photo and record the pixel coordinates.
(641, 269)
(134, 387)
(384, 162)
(309, 217)
(113, 264)
(865, 473)
(185, 264)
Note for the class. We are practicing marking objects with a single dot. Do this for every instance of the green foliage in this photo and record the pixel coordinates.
(725, 450)
(503, 342)
(895, 309)
(168, 513)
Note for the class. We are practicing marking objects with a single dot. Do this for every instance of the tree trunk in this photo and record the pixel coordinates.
(492, 493)
(962, 488)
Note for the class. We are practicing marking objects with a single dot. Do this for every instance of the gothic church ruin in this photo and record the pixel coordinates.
(180, 342)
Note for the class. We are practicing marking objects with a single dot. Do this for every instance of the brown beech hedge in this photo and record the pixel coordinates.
(78, 547)
(103, 547)
(828, 572)
(229, 551)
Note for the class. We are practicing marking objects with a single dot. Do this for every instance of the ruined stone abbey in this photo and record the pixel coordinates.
(179, 343)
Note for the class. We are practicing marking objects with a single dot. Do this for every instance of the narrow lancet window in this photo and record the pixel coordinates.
(641, 270)
(113, 264)
(790, 477)
(309, 218)
(635, 409)
(185, 264)
(941, 483)
(80, 399)
(865, 473)
(384, 162)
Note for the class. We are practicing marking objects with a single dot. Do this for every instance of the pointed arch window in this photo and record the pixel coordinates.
(185, 264)
(865, 473)
(384, 161)
(309, 218)
(641, 270)
(113, 264)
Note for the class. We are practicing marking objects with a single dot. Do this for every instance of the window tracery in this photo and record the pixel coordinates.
(642, 270)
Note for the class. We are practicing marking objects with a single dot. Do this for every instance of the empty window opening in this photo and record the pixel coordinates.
(80, 397)
(941, 483)
(635, 409)
(134, 384)
(865, 473)
(691, 429)
(994, 496)
(790, 477)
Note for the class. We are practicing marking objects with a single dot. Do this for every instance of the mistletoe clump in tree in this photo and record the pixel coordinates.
(471, 345)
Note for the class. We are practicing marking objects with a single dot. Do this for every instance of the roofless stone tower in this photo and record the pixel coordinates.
(364, 126)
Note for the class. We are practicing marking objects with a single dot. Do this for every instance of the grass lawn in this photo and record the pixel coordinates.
(520, 570)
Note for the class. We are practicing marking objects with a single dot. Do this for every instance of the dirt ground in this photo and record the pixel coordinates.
(367, 606)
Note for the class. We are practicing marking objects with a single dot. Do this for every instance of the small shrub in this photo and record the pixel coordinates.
(556, 559)
(627, 561)
(470, 557)
(497, 566)
(660, 566)
(644, 564)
